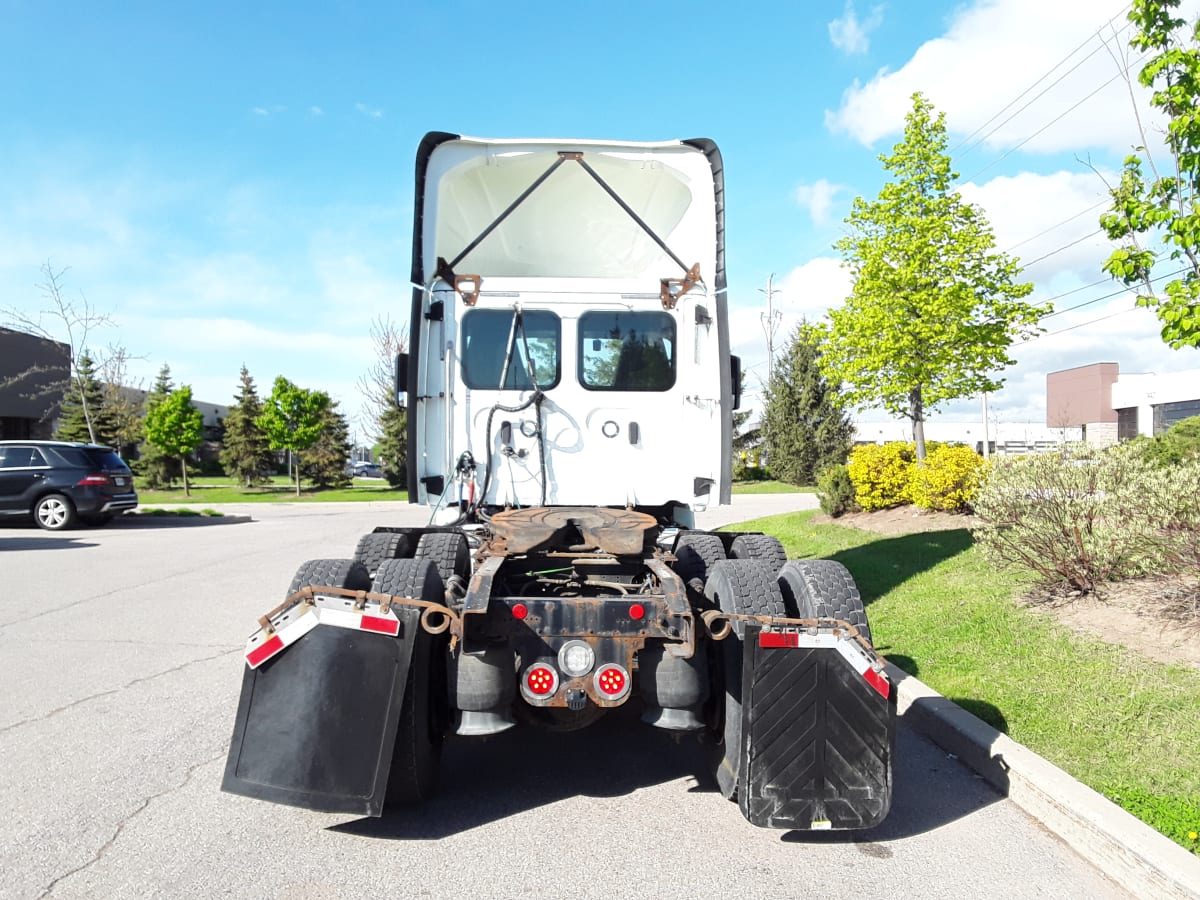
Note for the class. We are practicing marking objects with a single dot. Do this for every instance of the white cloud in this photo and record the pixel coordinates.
(987, 57)
(818, 199)
(315, 111)
(850, 34)
(260, 111)
(371, 112)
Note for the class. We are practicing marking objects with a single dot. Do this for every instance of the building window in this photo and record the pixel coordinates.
(1127, 423)
(1167, 414)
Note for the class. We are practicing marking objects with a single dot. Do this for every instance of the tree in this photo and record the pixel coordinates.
(246, 454)
(153, 465)
(934, 308)
(389, 419)
(1162, 210)
(324, 463)
(120, 404)
(73, 320)
(293, 419)
(805, 426)
(82, 416)
(176, 428)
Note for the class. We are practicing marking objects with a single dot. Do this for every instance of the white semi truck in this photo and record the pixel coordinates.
(570, 391)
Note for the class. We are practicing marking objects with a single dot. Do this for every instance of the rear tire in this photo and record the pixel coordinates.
(759, 546)
(335, 573)
(54, 512)
(743, 587)
(378, 546)
(823, 589)
(418, 750)
(696, 552)
(448, 550)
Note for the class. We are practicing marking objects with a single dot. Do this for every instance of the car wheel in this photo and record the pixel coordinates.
(54, 512)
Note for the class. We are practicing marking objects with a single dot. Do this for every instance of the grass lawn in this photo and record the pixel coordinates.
(769, 487)
(1126, 726)
(208, 490)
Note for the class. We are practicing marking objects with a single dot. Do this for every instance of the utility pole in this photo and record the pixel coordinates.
(770, 323)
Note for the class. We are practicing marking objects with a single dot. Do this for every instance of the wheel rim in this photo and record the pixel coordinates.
(52, 513)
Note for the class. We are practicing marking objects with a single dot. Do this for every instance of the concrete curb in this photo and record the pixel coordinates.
(1121, 846)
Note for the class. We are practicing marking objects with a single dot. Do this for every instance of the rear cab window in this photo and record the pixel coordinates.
(627, 351)
(485, 337)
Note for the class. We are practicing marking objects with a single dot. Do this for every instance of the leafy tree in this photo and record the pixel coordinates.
(176, 428)
(805, 426)
(293, 419)
(324, 463)
(388, 419)
(83, 416)
(934, 308)
(154, 466)
(1162, 210)
(246, 454)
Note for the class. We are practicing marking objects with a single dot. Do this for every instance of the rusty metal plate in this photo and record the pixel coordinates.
(617, 531)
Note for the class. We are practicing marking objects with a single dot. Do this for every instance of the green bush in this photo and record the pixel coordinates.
(743, 472)
(882, 474)
(1176, 445)
(1076, 519)
(835, 491)
(947, 479)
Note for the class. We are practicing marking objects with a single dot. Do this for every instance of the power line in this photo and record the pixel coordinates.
(1046, 75)
(1059, 225)
(1061, 249)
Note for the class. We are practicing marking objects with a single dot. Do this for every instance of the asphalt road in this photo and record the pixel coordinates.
(120, 659)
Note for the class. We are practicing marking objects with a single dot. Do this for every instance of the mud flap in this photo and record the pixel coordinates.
(818, 733)
(316, 725)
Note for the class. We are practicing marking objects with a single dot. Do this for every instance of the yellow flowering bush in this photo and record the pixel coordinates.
(882, 474)
(948, 479)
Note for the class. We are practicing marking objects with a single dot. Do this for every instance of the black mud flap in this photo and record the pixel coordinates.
(316, 725)
(818, 734)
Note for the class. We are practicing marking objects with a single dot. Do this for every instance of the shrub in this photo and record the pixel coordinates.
(1076, 519)
(835, 491)
(947, 479)
(743, 472)
(882, 474)
(1176, 445)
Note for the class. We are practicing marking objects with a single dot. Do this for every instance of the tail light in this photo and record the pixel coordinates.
(92, 479)
(612, 681)
(539, 682)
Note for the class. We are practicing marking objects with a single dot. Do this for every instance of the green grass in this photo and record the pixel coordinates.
(769, 487)
(224, 490)
(1124, 725)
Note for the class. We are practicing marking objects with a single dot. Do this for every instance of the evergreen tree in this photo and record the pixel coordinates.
(392, 449)
(83, 416)
(176, 428)
(805, 427)
(247, 454)
(154, 466)
(324, 463)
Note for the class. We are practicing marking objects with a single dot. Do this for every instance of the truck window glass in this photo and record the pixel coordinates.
(485, 340)
(627, 351)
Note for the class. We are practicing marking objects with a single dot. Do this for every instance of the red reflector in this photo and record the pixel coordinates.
(382, 624)
(541, 680)
(778, 639)
(637, 611)
(878, 681)
(264, 651)
(92, 479)
(520, 610)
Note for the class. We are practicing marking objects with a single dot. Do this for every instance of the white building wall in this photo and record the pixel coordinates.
(1146, 390)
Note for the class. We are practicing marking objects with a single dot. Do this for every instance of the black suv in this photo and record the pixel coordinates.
(59, 482)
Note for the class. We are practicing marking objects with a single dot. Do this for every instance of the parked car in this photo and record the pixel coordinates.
(62, 482)
(363, 469)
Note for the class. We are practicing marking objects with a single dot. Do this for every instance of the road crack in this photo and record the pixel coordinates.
(136, 681)
(107, 845)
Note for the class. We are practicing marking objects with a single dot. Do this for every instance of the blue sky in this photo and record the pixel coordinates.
(233, 182)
